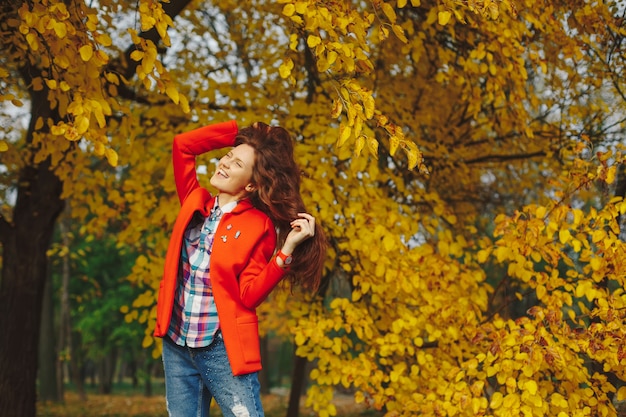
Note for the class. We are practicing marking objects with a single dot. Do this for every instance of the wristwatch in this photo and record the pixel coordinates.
(287, 259)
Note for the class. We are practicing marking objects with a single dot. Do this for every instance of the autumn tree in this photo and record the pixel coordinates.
(440, 141)
(60, 59)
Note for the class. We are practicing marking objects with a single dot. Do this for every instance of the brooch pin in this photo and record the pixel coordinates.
(230, 226)
(224, 238)
(237, 234)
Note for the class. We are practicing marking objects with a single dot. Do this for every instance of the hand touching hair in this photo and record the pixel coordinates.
(277, 179)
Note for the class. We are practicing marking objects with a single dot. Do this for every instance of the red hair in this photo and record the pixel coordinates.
(277, 179)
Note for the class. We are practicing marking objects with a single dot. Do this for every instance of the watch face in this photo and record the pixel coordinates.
(288, 260)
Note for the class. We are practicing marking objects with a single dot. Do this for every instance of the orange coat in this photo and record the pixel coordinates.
(243, 270)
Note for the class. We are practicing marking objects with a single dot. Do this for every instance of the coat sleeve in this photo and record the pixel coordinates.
(190, 144)
(262, 273)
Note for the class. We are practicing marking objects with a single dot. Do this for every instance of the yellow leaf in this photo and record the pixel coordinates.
(313, 41)
(372, 146)
(540, 212)
(58, 130)
(345, 94)
(531, 387)
(401, 4)
(111, 156)
(621, 394)
(172, 92)
(596, 264)
(81, 124)
(60, 29)
(503, 253)
(369, 104)
(389, 243)
(337, 345)
(103, 39)
(141, 261)
(33, 41)
(344, 134)
(482, 255)
(3, 146)
(394, 142)
(564, 236)
(147, 341)
(610, 174)
(389, 12)
(558, 400)
(289, 10)
(184, 103)
(136, 55)
(337, 108)
(541, 291)
(293, 42)
(299, 339)
(494, 11)
(86, 52)
(413, 156)
(285, 68)
(399, 32)
(582, 288)
(359, 145)
(496, 400)
(444, 17)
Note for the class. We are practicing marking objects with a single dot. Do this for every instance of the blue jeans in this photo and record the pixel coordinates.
(193, 376)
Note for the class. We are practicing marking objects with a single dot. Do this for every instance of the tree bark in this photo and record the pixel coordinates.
(64, 342)
(48, 390)
(298, 382)
(264, 374)
(24, 273)
(107, 372)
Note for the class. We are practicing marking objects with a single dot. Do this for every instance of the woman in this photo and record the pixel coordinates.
(222, 262)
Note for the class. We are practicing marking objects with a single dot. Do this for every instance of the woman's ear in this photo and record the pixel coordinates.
(250, 188)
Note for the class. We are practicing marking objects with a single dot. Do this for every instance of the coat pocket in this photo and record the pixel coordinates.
(248, 331)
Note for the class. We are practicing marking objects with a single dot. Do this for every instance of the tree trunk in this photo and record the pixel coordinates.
(264, 374)
(107, 372)
(77, 365)
(24, 271)
(298, 382)
(48, 390)
(149, 366)
(64, 342)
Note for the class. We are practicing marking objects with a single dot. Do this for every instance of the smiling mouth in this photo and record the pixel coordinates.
(221, 173)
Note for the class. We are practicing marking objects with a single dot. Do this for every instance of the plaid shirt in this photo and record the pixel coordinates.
(194, 317)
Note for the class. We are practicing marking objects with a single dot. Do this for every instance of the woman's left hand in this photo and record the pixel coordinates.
(302, 229)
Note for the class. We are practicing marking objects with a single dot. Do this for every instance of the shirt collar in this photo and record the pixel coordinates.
(226, 208)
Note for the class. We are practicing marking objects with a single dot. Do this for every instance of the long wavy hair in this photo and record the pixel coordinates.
(277, 179)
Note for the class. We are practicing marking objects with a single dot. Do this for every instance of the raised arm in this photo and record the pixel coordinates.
(190, 144)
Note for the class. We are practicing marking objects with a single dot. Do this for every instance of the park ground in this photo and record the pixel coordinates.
(130, 404)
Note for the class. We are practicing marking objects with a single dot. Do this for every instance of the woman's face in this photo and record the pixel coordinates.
(233, 175)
